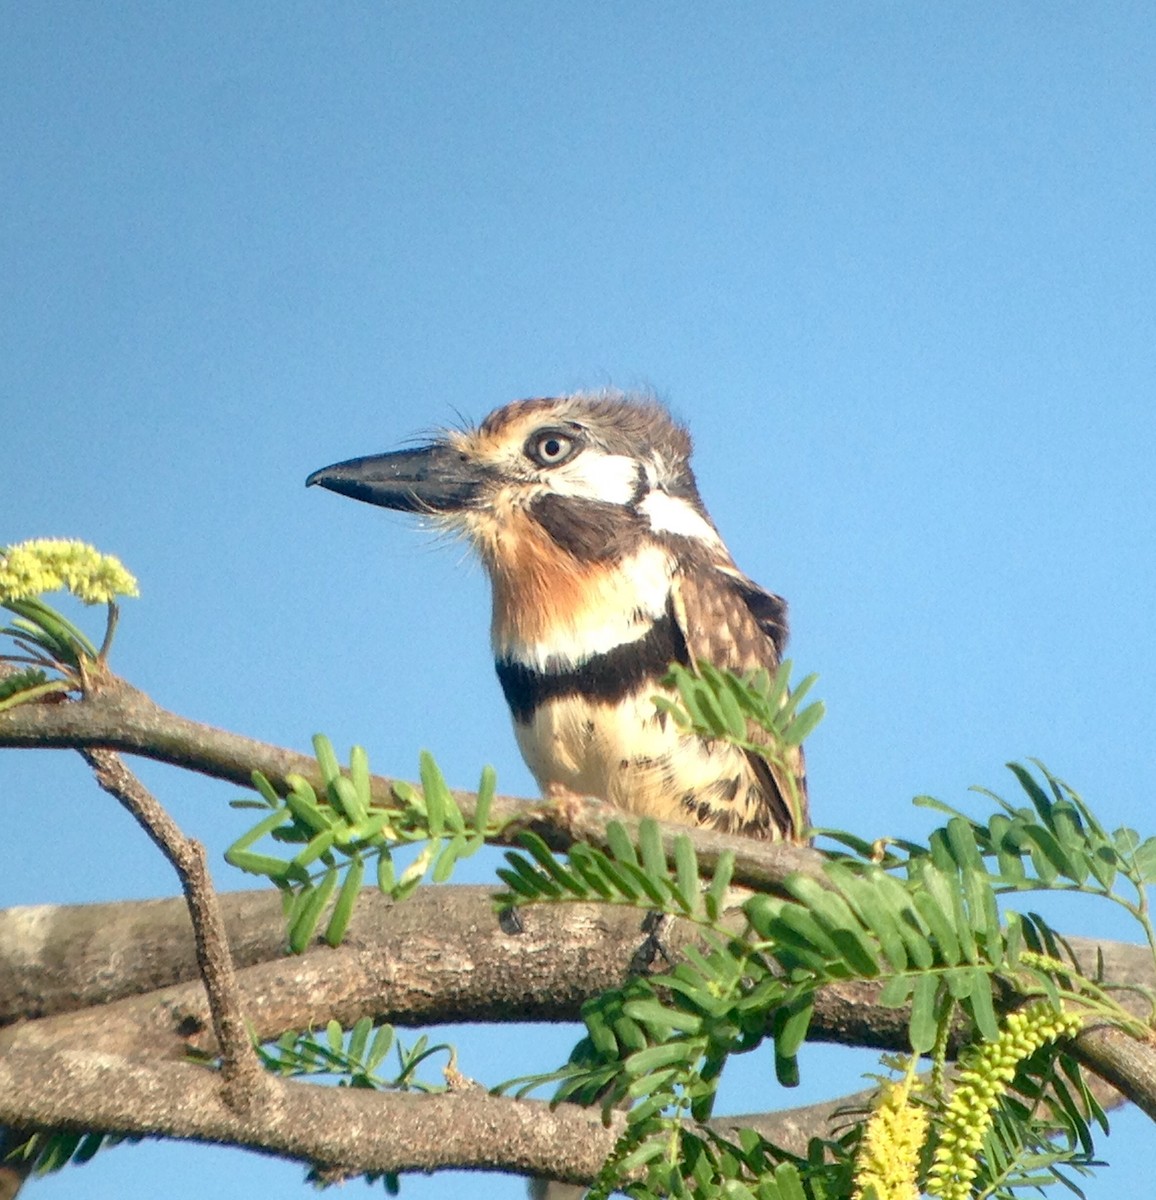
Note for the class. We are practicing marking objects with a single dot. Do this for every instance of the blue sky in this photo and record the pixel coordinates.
(893, 263)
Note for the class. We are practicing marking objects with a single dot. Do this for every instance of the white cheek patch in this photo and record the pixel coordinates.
(610, 478)
(669, 514)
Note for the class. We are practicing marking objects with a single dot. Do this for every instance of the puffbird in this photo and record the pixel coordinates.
(605, 569)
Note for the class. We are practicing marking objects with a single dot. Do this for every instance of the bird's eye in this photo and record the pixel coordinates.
(552, 447)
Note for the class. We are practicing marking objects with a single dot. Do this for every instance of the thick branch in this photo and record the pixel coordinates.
(56, 958)
(440, 956)
(119, 717)
(345, 1130)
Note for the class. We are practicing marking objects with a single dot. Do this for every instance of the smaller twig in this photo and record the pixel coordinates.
(110, 630)
(240, 1066)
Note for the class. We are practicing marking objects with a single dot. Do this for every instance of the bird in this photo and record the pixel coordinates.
(605, 569)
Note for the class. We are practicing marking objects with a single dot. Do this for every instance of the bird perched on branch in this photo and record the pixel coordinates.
(605, 568)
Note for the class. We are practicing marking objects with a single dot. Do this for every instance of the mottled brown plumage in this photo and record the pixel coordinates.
(605, 568)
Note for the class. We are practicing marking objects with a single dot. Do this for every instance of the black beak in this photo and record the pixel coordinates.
(433, 479)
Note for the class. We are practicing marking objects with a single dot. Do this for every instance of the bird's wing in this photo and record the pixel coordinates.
(731, 622)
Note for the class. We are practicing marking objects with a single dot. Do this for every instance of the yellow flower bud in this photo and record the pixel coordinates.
(49, 564)
(970, 1112)
(888, 1158)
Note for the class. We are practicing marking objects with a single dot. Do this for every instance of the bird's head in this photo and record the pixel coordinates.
(591, 475)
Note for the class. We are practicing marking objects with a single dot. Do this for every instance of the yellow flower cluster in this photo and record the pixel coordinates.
(47, 564)
(888, 1158)
(970, 1112)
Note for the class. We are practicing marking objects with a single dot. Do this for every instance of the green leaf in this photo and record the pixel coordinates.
(1057, 857)
(368, 831)
(517, 884)
(786, 1069)
(911, 926)
(984, 912)
(256, 864)
(979, 1004)
(798, 928)
(301, 785)
(317, 846)
(534, 883)
(871, 904)
(1104, 864)
(1144, 857)
(547, 860)
(788, 1182)
(309, 813)
(650, 845)
(487, 786)
(924, 1027)
(454, 849)
(358, 1038)
(716, 894)
(379, 1047)
(359, 774)
(386, 876)
(960, 981)
(896, 991)
(59, 632)
(621, 847)
(90, 1145)
(843, 928)
(585, 864)
(326, 758)
(305, 921)
(686, 870)
(656, 894)
(434, 788)
(273, 821)
(624, 883)
(347, 801)
(27, 685)
(346, 899)
(649, 1011)
(647, 1152)
(262, 785)
(734, 722)
(654, 1058)
(790, 1024)
(1040, 800)
(804, 724)
(1005, 839)
(961, 838)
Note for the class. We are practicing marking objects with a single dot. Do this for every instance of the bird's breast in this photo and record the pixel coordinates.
(629, 755)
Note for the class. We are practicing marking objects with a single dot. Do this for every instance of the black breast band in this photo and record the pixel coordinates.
(602, 678)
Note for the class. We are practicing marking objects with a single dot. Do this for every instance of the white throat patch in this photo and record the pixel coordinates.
(624, 604)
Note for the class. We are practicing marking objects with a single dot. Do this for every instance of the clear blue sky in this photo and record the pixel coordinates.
(894, 263)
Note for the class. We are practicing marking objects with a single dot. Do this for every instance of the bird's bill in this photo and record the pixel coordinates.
(432, 479)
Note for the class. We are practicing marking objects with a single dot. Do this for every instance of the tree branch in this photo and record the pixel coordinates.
(440, 956)
(120, 717)
(470, 970)
(347, 1129)
(241, 1069)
